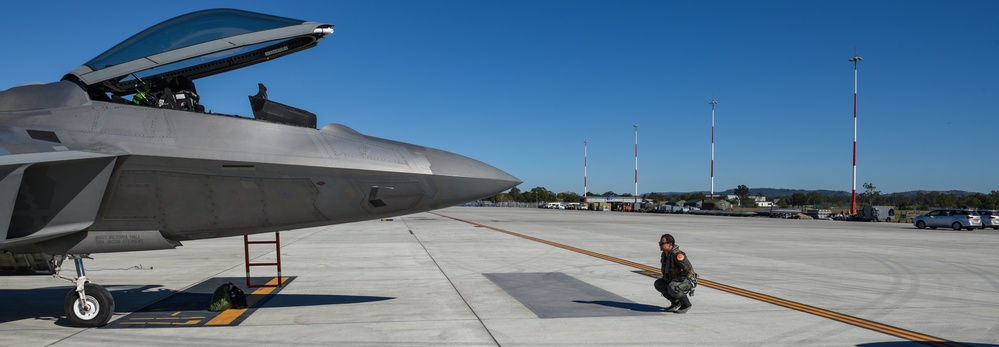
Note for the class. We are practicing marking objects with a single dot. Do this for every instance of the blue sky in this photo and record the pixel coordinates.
(521, 84)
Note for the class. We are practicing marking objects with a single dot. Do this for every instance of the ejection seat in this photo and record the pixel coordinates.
(181, 94)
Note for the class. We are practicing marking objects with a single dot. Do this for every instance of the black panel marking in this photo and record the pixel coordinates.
(44, 135)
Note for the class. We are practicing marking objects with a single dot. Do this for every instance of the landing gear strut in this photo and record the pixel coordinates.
(88, 305)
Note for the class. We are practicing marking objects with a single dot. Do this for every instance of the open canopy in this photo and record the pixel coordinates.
(196, 45)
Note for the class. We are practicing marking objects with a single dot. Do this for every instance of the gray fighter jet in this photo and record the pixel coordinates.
(120, 155)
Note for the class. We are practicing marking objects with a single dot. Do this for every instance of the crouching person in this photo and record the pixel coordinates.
(678, 278)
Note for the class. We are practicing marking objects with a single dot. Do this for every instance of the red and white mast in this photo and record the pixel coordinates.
(584, 172)
(713, 103)
(636, 162)
(853, 202)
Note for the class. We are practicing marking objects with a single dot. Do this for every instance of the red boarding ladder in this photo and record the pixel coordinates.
(277, 249)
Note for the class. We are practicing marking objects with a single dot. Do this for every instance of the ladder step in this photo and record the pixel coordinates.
(263, 264)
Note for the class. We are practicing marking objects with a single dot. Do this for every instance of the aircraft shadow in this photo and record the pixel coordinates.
(197, 301)
(47, 303)
(625, 305)
(37, 303)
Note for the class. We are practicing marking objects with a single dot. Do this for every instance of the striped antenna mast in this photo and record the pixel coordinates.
(636, 162)
(713, 103)
(853, 200)
(584, 172)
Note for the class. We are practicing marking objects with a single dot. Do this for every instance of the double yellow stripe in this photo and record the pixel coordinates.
(859, 322)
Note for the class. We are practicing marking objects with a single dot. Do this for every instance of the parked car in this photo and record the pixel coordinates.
(990, 219)
(954, 218)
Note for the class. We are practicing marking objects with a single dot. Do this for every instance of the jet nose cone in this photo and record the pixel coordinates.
(462, 179)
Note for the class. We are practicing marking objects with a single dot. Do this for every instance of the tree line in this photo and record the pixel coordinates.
(903, 201)
(870, 196)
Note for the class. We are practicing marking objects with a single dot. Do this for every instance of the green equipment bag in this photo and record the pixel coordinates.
(227, 296)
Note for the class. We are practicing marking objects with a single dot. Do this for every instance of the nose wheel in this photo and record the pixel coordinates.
(88, 305)
(90, 308)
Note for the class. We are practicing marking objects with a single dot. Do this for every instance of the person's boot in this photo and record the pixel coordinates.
(674, 304)
(684, 304)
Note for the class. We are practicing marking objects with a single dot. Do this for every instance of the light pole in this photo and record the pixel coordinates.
(853, 201)
(584, 172)
(636, 162)
(713, 103)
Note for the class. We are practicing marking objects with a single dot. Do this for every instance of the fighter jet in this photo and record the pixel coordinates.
(120, 155)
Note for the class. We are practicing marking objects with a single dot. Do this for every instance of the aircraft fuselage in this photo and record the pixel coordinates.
(183, 175)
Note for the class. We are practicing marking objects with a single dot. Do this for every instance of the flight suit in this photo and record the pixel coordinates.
(677, 277)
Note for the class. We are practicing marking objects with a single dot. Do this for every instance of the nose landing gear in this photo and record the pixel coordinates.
(88, 305)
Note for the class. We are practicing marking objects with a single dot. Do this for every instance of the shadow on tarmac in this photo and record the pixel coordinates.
(625, 305)
(38, 303)
(47, 303)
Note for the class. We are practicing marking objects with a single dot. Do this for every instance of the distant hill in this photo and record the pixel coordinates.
(789, 192)
(823, 192)
(951, 192)
(768, 192)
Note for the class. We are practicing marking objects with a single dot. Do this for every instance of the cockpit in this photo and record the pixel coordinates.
(158, 66)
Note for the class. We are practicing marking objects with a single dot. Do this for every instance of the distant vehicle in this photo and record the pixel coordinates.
(876, 213)
(954, 218)
(554, 206)
(990, 219)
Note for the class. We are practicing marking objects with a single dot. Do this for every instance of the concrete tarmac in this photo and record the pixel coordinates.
(468, 276)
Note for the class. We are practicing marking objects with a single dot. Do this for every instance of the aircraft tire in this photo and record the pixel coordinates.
(99, 299)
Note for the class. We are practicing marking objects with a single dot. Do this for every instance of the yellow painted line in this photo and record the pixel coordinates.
(190, 322)
(165, 318)
(174, 319)
(187, 322)
(227, 316)
(859, 322)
